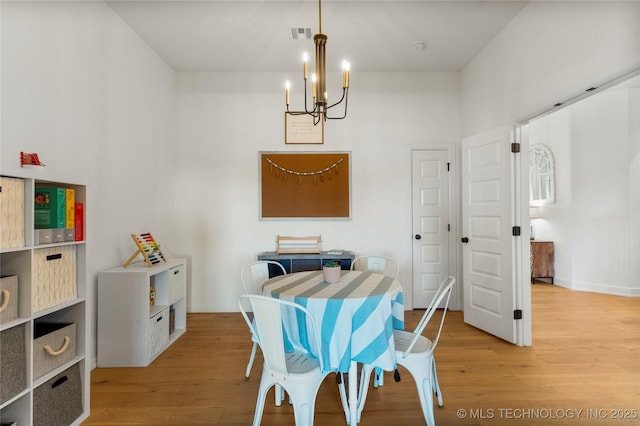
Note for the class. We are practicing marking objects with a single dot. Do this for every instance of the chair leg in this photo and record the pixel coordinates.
(247, 373)
(436, 384)
(421, 372)
(303, 413)
(378, 378)
(426, 400)
(365, 379)
(279, 393)
(343, 395)
(262, 394)
(363, 390)
(304, 402)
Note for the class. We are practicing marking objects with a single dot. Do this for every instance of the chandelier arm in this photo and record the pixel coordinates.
(296, 112)
(344, 91)
(306, 109)
(311, 113)
(345, 96)
(314, 111)
(305, 97)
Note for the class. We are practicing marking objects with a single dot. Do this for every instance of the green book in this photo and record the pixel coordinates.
(50, 208)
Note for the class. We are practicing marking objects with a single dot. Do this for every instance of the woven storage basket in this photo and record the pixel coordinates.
(54, 276)
(158, 332)
(11, 212)
(53, 345)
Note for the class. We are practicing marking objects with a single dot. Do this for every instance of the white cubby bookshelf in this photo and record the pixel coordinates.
(21, 261)
(132, 332)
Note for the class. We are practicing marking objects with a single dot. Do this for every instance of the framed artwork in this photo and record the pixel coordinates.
(299, 129)
(305, 185)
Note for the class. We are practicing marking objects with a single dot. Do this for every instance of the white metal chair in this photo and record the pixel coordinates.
(415, 352)
(299, 373)
(253, 276)
(379, 264)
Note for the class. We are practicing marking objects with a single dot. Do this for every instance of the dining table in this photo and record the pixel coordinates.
(356, 317)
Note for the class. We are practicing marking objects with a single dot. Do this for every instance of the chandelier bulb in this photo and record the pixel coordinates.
(345, 74)
(314, 87)
(305, 68)
(287, 86)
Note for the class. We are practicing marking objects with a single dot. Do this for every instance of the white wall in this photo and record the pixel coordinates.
(634, 178)
(554, 131)
(595, 223)
(221, 130)
(84, 92)
(550, 52)
(601, 220)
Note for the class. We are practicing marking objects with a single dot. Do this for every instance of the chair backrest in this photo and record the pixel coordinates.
(375, 263)
(441, 298)
(255, 274)
(268, 327)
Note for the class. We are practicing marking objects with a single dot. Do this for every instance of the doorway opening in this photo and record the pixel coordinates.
(592, 216)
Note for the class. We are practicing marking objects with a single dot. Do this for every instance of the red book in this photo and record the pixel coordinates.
(79, 221)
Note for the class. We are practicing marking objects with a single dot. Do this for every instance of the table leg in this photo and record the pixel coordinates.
(353, 393)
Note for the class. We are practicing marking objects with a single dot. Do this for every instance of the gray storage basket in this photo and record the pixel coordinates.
(58, 401)
(13, 362)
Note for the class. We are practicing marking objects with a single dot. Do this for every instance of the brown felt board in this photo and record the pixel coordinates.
(286, 194)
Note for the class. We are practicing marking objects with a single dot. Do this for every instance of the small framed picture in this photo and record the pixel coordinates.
(299, 129)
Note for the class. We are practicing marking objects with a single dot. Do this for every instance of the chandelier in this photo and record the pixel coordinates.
(319, 99)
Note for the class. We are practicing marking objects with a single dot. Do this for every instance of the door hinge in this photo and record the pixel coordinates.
(515, 147)
(515, 231)
(448, 167)
(517, 314)
(448, 227)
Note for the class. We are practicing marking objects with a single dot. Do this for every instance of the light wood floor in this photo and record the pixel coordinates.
(585, 356)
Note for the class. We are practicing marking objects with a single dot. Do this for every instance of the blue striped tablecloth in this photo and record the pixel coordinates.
(356, 315)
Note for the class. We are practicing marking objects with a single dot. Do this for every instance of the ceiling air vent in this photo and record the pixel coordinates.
(301, 33)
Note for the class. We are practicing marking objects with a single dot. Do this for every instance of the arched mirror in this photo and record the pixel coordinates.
(541, 175)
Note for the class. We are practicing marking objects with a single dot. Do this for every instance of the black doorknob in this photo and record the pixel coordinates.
(465, 240)
(418, 236)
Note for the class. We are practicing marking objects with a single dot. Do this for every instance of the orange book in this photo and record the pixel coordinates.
(71, 200)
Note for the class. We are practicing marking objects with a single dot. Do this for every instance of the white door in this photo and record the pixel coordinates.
(430, 188)
(488, 246)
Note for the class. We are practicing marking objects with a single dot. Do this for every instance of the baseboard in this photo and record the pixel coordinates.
(600, 288)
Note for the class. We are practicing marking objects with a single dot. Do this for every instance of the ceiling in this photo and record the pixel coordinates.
(373, 35)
